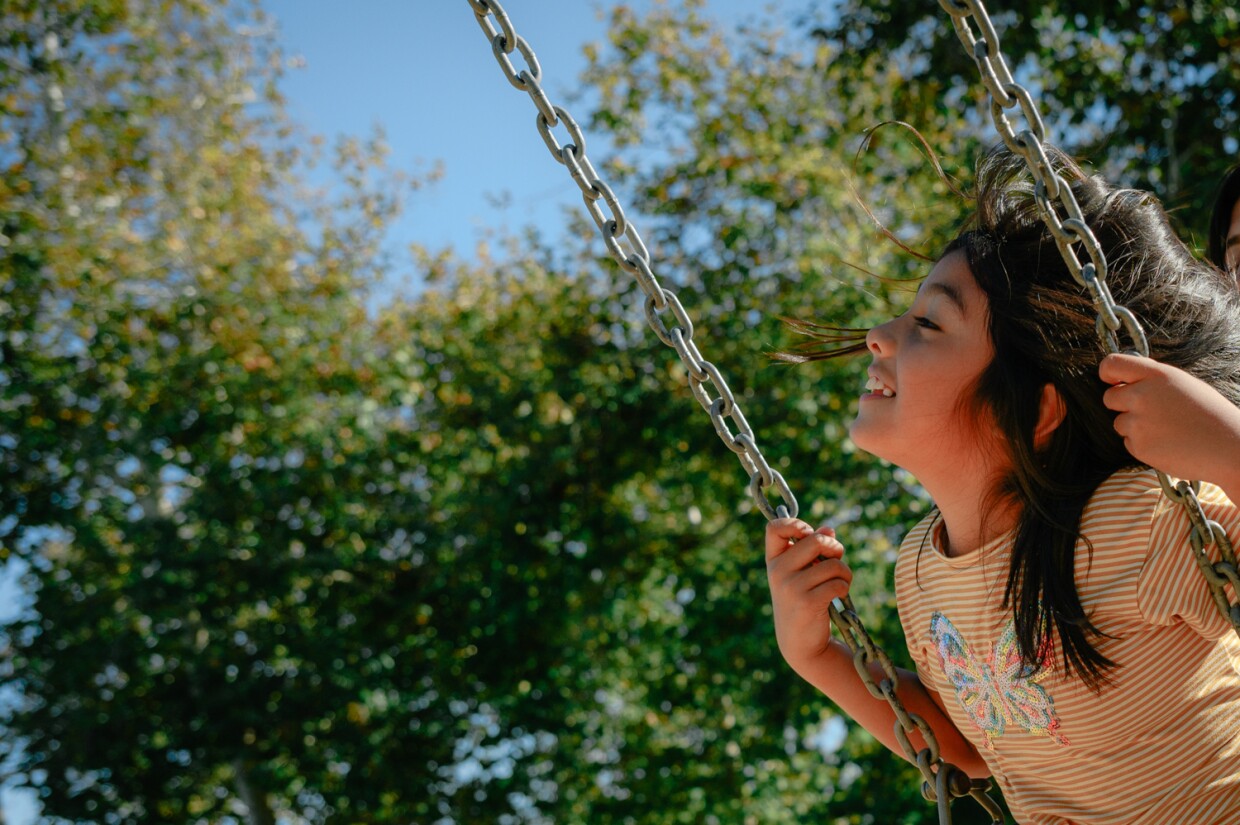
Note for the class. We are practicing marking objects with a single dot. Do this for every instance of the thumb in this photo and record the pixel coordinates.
(1122, 368)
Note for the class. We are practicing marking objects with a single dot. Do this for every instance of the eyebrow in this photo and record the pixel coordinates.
(950, 292)
(1234, 240)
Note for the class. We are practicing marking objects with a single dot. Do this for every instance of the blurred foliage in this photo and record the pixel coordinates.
(1145, 91)
(475, 555)
(187, 421)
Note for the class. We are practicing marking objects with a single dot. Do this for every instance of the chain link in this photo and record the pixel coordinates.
(626, 246)
(1113, 319)
(943, 782)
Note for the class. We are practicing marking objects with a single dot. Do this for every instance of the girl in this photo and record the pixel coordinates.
(1064, 640)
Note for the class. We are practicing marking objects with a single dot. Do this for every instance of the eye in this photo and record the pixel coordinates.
(924, 322)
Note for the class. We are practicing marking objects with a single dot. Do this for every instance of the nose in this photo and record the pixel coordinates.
(878, 340)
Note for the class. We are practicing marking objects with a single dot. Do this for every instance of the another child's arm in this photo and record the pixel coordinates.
(806, 571)
(1174, 421)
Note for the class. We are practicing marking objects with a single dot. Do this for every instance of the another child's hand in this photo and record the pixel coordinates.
(1172, 420)
(805, 570)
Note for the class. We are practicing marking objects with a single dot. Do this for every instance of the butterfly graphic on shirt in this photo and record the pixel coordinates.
(995, 689)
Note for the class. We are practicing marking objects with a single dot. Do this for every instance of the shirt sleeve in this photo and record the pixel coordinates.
(1171, 587)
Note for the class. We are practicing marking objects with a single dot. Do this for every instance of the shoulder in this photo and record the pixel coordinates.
(1172, 587)
(916, 551)
(1130, 509)
(1127, 488)
(1125, 505)
(918, 539)
(1169, 519)
(1141, 487)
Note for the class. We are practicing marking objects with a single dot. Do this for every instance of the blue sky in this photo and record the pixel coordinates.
(423, 70)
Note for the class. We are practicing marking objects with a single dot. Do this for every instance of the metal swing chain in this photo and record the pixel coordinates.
(616, 227)
(1113, 319)
(943, 781)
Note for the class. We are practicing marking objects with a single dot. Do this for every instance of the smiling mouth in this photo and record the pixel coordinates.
(877, 387)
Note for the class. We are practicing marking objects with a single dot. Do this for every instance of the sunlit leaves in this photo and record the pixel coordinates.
(1146, 92)
(474, 554)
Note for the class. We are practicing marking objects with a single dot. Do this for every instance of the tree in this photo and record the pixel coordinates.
(1145, 91)
(289, 560)
(742, 150)
(188, 421)
(472, 555)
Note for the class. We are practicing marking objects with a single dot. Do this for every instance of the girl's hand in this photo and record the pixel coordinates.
(805, 570)
(1174, 421)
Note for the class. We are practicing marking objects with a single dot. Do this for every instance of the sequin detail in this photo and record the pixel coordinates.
(995, 691)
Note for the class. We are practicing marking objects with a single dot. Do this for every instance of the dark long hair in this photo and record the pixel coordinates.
(1042, 326)
(1220, 216)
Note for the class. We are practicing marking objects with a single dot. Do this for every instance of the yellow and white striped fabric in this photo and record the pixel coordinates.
(1161, 744)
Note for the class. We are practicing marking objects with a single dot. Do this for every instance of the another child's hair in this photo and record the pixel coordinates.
(1220, 216)
(1043, 328)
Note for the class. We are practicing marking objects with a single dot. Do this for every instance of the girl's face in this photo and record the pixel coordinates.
(925, 361)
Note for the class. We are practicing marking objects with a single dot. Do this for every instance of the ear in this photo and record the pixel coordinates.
(1051, 413)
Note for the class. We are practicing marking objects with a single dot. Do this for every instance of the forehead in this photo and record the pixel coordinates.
(952, 279)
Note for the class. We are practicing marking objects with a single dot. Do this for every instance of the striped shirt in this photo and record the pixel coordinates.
(1162, 743)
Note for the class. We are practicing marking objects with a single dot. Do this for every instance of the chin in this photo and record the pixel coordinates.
(863, 441)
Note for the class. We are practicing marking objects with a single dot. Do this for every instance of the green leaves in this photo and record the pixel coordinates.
(1143, 91)
(476, 554)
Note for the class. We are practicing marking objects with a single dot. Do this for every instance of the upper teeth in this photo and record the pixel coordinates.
(874, 385)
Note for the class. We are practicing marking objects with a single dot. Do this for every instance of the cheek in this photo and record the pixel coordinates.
(957, 405)
(978, 426)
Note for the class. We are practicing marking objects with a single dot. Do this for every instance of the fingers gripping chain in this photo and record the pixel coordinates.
(943, 781)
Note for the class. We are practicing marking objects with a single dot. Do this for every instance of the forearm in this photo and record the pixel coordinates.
(834, 674)
(1226, 446)
(1230, 484)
